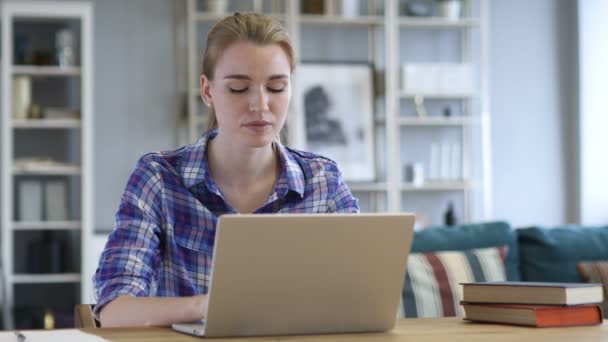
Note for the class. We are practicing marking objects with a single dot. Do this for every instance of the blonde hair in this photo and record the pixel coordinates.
(252, 27)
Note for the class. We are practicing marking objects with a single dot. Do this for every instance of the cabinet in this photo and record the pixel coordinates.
(450, 152)
(47, 159)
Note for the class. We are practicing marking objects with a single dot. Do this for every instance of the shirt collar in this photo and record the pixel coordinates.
(196, 170)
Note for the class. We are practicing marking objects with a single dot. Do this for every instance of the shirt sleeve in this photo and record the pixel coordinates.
(342, 200)
(130, 259)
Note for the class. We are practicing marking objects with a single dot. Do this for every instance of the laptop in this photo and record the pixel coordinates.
(293, 274)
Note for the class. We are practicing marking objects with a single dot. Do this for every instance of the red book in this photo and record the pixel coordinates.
(533, 315)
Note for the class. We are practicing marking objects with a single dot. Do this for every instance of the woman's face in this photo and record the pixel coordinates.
(250, 92)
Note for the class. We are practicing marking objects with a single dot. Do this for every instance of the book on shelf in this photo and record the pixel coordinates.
(540, 316)
(510, 292)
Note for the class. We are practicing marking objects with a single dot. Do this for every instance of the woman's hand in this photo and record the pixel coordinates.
(128, 311)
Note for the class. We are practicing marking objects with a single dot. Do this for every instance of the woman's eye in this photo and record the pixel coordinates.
(237, 90)
(276, 90)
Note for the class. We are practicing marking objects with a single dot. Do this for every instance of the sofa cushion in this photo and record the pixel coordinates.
(551, 254)
(471, 236)
(596, 272)
(432, 282)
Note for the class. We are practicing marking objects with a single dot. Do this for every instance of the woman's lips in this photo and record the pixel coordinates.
(258, 123)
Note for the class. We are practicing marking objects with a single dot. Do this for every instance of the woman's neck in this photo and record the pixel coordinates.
(238, 166)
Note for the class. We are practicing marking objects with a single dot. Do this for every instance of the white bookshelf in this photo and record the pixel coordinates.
(386, 26)
(78, 171)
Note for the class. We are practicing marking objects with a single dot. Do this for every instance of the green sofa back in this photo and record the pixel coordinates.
(551, 254)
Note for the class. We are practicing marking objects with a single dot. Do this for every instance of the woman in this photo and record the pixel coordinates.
(156, 264)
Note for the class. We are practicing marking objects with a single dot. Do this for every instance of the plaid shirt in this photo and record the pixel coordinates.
(163, 240)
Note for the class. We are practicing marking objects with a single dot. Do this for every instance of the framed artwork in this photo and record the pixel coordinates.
(336, 100)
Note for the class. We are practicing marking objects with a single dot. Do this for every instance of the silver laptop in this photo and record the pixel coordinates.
(305, 274)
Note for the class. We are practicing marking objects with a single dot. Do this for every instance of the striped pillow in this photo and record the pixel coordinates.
(432, 282)
(596, 272)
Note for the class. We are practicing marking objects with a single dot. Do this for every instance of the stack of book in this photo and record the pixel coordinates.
(533, 304)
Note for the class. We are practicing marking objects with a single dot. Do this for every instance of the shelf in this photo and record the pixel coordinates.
(437, 96)
(338, 20)
(437, 22)
(46, 225)
(32, 70)
(46, 278)
(362, 187)
(46, 123)
(438, 186)
(434, 121)
(47, 170)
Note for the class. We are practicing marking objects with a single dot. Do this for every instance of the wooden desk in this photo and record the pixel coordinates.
(426, 329)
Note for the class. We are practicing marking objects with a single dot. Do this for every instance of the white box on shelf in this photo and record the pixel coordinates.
(30, 200)
(435, 161)
(455, 78)
(55, 200)
(456, 162)
(445, 162)
(419, 78)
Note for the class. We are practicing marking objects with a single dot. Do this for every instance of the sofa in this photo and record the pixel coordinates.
(442, 257)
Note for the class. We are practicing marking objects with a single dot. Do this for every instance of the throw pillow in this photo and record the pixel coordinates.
(432, 282)
(596, 272)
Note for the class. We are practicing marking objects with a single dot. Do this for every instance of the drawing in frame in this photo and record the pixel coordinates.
(336, 101)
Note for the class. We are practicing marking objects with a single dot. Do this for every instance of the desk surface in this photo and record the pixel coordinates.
(425, 329)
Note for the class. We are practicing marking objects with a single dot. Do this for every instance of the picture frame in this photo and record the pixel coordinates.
(337, 103)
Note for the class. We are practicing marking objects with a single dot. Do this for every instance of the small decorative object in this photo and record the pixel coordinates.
(313, 7)
(447, 112)
(21, 49)
(449, 217)
(330, 7)
(420, 109)
(419, 8)
(64, 46)
(42, 57)
(217, 6)
(350, 8)
(22, 96)
(414, 174)
(35, 112)
(449, 9)
(337, 102)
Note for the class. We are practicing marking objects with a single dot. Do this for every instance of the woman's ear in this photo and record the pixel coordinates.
(205, 84)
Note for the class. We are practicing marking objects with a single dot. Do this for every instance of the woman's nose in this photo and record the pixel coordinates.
(259, 100)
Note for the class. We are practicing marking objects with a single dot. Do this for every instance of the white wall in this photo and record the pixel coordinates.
(593, 54)
(532, 91)
(136, 101)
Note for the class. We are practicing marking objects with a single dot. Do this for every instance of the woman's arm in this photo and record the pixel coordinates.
(152, 311)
